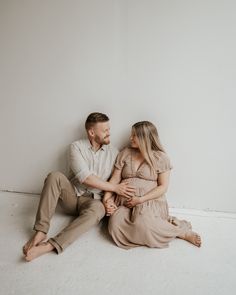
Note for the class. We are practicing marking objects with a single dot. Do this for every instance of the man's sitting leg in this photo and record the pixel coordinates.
(56, 188)
(90, 213)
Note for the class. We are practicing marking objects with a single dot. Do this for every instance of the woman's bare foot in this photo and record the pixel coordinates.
(37, 238)
(193, 238)
(39, 250)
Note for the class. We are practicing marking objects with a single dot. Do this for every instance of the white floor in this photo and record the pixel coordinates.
(94, 265)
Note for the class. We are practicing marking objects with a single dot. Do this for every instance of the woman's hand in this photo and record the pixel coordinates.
(133, 202)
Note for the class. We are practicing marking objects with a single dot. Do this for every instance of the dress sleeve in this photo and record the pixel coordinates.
(163, 163)
(120, 160)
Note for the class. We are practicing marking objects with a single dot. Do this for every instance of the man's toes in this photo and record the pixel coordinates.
(27, 258)
(30, 255)
(24, 250)
(28, 246)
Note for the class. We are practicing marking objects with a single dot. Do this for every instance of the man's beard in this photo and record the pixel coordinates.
(104, 140)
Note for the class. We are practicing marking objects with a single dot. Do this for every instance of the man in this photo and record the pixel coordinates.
(91, 164)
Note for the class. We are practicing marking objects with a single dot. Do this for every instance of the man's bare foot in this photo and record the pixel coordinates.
(193, 238)
(37, 238)
(39, 250)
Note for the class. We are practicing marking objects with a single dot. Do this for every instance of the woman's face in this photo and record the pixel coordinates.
(133, 140)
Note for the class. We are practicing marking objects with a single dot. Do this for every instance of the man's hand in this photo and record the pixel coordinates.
(133, 202)
(124, 189)
(110, 206)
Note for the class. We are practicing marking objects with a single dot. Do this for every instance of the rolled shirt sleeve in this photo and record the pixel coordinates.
(78, 164)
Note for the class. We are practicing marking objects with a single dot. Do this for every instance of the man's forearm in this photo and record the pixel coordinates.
(107, 196)
(115, 179)
(95, 182)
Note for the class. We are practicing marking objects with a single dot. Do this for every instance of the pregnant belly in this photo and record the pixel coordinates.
(142, 186)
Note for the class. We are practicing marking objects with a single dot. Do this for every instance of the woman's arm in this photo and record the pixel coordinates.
(161, 189)
(163, 183)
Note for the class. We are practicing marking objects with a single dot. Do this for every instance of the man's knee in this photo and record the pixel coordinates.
(99, 209)
(55, 176)
(96, 210)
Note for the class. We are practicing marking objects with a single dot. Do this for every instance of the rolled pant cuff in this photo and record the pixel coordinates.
(58, 248)
(40, 228)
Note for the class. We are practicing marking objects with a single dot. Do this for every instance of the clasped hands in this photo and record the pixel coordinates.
(111, 205)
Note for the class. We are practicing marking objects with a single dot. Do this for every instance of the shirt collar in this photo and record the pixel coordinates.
(102, 148)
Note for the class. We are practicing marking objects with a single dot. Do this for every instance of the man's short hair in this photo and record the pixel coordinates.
(94, 118)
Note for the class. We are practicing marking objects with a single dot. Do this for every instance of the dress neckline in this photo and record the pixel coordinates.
(132, 163)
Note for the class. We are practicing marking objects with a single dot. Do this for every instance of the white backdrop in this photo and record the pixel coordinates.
(171, 62)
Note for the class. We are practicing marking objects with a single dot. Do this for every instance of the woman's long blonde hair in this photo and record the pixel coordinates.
(148, 141)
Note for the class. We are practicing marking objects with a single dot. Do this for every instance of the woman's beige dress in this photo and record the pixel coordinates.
(147, 224)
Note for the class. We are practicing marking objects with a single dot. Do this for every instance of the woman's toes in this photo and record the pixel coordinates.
(198, 241)
(193, 238)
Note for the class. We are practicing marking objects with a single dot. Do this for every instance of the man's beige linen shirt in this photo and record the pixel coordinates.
(84, 161)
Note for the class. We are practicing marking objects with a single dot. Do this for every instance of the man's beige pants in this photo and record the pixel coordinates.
(57, 188)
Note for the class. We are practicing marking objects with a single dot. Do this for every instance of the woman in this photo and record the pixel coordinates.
(143, 219)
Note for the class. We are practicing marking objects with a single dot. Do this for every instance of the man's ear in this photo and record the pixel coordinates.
(91, 132)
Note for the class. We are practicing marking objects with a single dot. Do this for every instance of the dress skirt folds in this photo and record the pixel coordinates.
(147, 224)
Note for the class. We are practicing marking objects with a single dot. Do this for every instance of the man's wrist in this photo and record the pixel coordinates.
(113, 187)
(141, 199)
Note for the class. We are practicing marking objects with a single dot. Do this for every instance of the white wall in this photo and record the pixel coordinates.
(171, 62)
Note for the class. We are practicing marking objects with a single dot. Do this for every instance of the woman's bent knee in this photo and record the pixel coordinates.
(113, 224)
